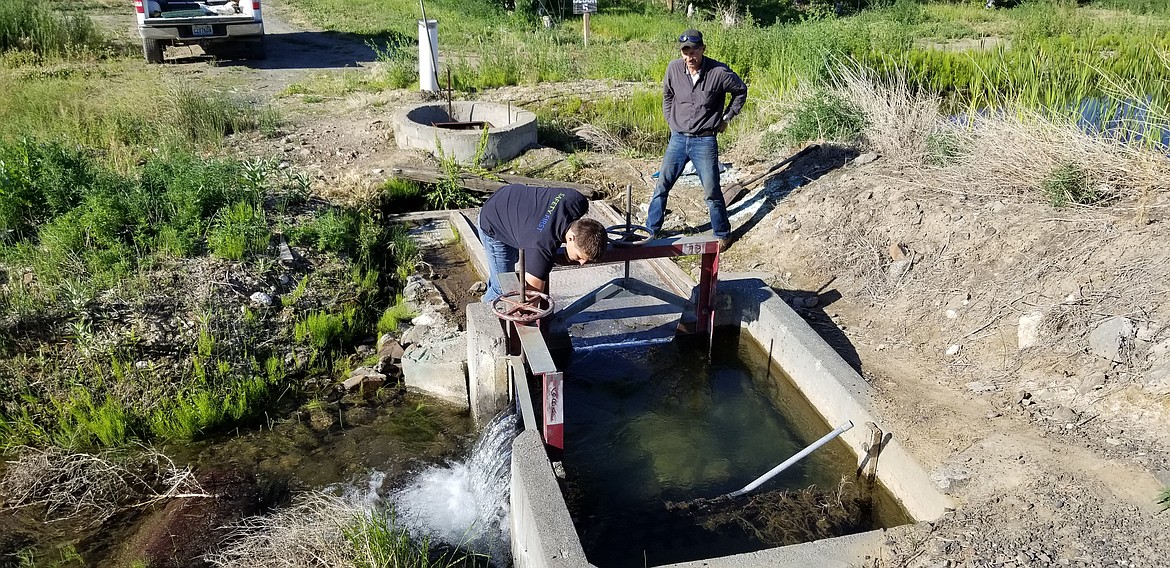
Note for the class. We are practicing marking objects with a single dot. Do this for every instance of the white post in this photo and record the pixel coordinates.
(428, 55)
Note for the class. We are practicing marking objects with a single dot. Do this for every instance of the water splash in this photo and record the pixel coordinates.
(465, 503)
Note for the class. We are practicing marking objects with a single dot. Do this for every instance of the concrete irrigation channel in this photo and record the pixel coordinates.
(499, 368)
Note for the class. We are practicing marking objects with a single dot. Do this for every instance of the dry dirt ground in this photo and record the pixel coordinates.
(1053, 454)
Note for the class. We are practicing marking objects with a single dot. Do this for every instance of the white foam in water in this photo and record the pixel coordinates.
(465, 503)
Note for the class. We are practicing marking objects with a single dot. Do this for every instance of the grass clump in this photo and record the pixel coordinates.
(238, 231)
(1066, 184)
(393, 316)
(319, 529)
(324, 330)
(823, 115)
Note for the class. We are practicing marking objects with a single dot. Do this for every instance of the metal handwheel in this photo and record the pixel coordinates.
(628, 235)
(510, 307)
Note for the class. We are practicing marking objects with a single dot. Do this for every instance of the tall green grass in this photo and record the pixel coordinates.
(1049, 54)
(35, 27)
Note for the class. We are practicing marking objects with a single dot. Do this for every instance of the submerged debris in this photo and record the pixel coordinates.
(781, 517)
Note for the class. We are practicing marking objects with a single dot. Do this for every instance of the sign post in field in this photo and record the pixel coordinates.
(585, 7)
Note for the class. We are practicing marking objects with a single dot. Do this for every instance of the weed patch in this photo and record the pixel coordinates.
(1066, 184)
(34, 27)
(823, 115)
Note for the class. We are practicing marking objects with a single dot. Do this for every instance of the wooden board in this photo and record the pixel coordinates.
(474, 183)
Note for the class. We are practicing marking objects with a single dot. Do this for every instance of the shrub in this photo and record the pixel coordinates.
(1068, 183)
(823, 115)
(238, 231)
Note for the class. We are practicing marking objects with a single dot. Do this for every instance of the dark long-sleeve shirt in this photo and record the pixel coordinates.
(698, 107)
(534, 219)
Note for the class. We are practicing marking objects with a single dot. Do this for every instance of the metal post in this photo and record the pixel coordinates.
(629, 223)
(705, 307)
(450, 108)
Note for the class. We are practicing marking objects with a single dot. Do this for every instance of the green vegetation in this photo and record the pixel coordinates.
(1165, 500)
(1042, 54)
(35, 28)
(379, 540)
(822, 115)
(395, 315)
(1066, 184)
(82, 230)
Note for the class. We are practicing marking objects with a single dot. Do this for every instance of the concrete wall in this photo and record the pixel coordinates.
(512, 130)
(543, 535)
(487, 363)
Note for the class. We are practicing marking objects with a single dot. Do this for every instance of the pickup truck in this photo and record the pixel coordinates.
(208, 23)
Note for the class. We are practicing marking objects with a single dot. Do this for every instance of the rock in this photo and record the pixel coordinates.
(358, 416)
(1091, 383)
(788, 224)
(865, 158)
(1111, 337)
(388, 366)
(1028, 330)
(478, 288)
(261, 299)
(428, 319)
(364, 350)
(1064, 415)
(952, 350)
(437, 365)
(390, 349)
(414, 334)
(898, 251)
(898, 269)
(365, 380)
(980, 386)
(952, 314)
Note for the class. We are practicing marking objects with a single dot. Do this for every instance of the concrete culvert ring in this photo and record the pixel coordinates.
(457, 129)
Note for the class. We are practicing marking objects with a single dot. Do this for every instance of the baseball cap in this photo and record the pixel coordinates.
(690, 38)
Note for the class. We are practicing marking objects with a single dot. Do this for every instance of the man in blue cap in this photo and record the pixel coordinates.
(695, 107)
(694, 102)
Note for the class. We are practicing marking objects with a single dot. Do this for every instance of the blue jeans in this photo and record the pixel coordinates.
(703, 152)
(500, 258)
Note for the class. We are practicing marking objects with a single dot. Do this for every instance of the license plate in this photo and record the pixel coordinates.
(202, 30)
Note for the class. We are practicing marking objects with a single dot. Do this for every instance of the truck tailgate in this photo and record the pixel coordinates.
(197, 20)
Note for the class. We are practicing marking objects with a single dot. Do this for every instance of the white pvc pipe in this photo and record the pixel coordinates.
(788, 462)
(428, 55)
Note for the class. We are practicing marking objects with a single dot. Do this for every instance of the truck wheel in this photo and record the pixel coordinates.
(152, 49)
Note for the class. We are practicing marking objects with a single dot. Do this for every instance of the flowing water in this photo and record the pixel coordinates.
(412, 457)
(465, 503)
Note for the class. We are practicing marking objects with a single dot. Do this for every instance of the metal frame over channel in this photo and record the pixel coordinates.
(528, 340)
